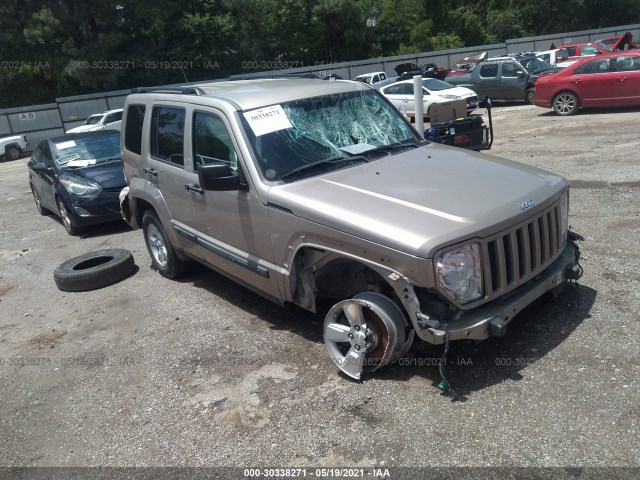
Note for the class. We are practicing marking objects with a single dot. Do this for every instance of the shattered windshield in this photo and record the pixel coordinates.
(331, 131)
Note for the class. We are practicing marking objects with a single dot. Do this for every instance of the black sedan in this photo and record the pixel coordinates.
(78, 177)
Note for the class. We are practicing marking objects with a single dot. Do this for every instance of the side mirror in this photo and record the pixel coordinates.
(218, 177)
(39, 167)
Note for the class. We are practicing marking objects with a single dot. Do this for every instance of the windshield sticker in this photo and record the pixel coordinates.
(267, 120)
(63, 145)
(80, 163)
(357, 148)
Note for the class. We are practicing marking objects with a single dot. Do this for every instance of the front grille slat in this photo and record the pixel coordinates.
(486, 264)
(534, 243)
(523, 235)
(501, 265)
(544, 235)
(513, 257)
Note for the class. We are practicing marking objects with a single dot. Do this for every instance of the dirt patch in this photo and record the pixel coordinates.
(46, 339)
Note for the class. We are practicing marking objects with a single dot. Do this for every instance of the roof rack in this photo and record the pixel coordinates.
(260, 76)
(187, 90)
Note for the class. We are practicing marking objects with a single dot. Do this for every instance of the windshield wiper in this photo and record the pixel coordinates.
(322, 163)
(391, 148)
(109, 160)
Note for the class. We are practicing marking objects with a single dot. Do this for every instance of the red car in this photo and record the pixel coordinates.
(609, 80)
(619, 43)
(581, 50)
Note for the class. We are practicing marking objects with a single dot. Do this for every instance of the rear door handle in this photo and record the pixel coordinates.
(151, 171)
(194, 189)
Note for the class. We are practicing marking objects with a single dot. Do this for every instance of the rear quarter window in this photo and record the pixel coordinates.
(133, 129)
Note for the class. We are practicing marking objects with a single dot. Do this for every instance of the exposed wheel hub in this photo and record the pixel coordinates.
(364, 333)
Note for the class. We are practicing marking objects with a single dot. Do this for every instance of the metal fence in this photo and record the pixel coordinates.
(39, 122)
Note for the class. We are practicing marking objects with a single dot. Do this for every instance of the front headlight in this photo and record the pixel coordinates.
(564, 215)
(78, 187)
(459, 272)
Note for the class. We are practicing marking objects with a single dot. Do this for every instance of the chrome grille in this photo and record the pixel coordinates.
(511, 258)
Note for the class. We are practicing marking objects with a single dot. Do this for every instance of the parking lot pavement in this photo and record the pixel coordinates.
(201, 372)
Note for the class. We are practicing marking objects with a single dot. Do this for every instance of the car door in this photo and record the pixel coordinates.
(513, 81)
(488, 80)
(164, 168)
(230, 229)
(627, 80)
(396, 95)
(594, 83)
(43, 181)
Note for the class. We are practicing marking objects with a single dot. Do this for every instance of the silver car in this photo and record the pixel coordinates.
(305, 190)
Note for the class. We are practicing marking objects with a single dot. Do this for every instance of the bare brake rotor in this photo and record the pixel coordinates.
(365, 333)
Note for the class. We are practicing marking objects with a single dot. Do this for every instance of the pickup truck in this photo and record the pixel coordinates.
(500, 78)
(12, 147)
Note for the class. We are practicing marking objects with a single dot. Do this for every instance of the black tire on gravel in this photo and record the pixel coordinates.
(94, 270)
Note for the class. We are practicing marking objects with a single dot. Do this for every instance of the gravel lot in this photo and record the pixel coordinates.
(201, 372)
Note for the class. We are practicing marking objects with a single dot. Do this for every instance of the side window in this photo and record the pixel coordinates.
(407, 89)
(546, 57)
(600, 65)
(167, 134)
(37, 154)
(113, 117)
(394, 90)
(212, 142)
(627, 64)
(133, 129)
(383, 76)
(47, 157)
(588, 50)
(510, 69)
(489, 70)
(571, 51)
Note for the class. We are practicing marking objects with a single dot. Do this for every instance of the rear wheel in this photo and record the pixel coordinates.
(12, 152)
(163, 256)
(566, 103)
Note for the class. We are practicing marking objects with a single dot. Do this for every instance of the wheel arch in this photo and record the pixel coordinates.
(319, 272)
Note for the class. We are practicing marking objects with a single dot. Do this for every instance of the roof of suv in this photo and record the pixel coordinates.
(249, 94)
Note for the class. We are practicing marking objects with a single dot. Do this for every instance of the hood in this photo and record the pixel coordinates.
(406, 67)
(85, 128)
(462, 92)
(108, 176)
(626, 39)
(420, 200)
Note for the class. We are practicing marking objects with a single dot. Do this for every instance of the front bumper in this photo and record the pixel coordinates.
(492, 318)
(85, 212)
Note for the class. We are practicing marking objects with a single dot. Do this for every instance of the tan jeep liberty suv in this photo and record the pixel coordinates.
(303, 189)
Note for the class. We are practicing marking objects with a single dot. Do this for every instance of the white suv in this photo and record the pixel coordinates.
(109, 120)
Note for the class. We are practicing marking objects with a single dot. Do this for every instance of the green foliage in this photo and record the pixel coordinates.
(70, 47)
